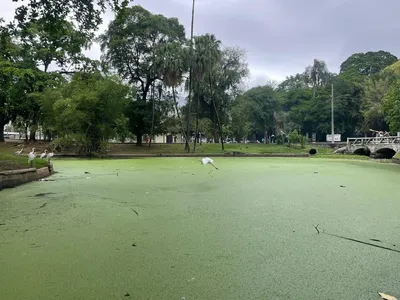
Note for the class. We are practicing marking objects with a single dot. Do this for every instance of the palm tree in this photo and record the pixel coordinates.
(206, 54)
(174, 64)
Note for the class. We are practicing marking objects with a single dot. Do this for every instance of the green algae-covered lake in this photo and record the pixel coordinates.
(167, 228)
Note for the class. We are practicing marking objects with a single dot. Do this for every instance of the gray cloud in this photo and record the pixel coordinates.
(282, 37)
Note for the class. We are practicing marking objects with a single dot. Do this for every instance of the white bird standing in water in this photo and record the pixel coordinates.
(31, 156)
(49, 155)
(207, 161)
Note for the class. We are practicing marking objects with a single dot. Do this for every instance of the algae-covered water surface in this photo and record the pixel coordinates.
(174, 229)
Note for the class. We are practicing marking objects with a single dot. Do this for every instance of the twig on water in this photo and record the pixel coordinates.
(210, 171)
(358, 241)
(361, 242)
(135, 211)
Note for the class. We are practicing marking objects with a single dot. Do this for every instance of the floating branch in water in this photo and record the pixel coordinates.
(135, 211)
(358, 241)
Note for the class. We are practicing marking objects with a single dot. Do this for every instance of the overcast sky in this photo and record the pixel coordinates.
(282, 37)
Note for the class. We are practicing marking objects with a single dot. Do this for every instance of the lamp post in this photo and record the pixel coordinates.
(332, 119)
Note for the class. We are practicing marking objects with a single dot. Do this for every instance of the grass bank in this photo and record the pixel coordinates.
(205, 148)
(9, 161)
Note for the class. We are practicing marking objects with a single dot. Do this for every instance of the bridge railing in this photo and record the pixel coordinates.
(374, 140)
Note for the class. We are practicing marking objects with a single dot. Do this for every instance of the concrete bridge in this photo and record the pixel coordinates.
(374, 146)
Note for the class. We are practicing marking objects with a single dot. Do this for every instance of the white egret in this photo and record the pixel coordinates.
(207, 161)
(31, 156)
(49, 155)
(44, 154)
(20, 151)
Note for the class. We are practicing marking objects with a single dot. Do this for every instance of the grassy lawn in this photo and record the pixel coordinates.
(9, 161)
(210, 148)
(397, 155)
(167, 228)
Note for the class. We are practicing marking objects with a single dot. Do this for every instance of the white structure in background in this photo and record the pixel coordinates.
(12, 134)
(336, 138)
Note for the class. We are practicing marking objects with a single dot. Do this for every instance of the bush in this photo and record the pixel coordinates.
(81, 145)
(295, 138)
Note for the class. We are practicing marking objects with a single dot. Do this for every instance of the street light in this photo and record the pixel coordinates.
(332, 119)
(332, 113)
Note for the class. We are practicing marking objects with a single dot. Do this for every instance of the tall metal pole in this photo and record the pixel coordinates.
(188, 135)
(332, 119)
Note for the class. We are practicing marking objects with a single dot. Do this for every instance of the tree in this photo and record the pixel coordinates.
(220, 86)
(368, 63)
(130, 45)
(49, 32)
(174, 64)
(87, 111)
(18, 77)
(391, 106)
(242, 123)
(262, 103)
(62, 46)
(15, 81)
(206, 54)
(375, 89)
(86, 13)
(317, 75)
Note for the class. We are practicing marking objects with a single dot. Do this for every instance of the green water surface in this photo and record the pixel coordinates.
(167, 228)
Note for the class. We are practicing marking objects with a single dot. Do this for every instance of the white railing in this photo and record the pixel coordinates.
(374, 140)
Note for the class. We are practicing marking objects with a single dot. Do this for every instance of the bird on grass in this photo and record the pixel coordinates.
(207, 161)
(19, 152)
(43, 155)
(31, 156)
(47, 154)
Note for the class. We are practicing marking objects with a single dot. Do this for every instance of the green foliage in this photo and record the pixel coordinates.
(86, 13)
(133, 45)
(87, 110)
(242, 123)
(150, 53)
(375, 89)
(368, 63)
(295, 138)
(122, 128)
(262, 103)
(391, 106)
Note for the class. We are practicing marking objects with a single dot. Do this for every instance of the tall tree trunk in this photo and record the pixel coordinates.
(152, 115)
(187, 147)
(2, 124)
(139, 140)
(26, 133)
(219, 127)
(32, 133)
(196, 132)
(217, 115)
(178, 114)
